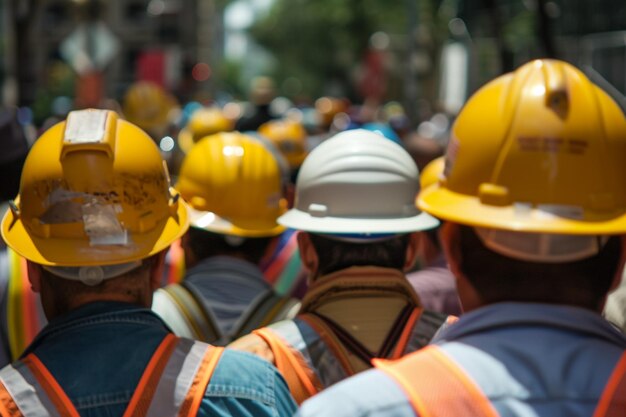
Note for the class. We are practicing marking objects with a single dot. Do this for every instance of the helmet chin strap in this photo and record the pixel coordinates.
(92, 275)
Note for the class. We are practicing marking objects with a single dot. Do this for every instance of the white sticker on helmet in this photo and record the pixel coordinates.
(86, 126)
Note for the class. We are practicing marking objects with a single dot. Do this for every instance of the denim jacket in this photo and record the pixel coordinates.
(98, 352)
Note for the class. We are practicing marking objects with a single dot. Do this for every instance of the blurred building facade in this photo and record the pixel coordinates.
(158, 40)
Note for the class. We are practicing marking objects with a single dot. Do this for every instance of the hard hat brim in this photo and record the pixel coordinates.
(468, 210)
(79, 252)
(222, 226)
(300, 220)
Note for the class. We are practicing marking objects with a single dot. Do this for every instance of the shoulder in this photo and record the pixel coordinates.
(366, 394)
(243, 376)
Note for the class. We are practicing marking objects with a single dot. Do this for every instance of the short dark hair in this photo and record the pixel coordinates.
(583, 283)
(335, 255)
(205, 244)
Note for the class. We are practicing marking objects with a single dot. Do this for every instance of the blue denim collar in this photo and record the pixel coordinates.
(511, 314)
(98, 312)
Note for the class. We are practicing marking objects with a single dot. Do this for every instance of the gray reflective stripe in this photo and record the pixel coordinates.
(428, 324)
(327, 366)
(177, 378)
(268, 307)
(28, 395)
(313, 349)
(179, 308)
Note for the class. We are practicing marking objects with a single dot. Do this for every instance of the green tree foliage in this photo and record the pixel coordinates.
(320, 42)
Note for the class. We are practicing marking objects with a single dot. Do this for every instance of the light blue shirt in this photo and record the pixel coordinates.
(530, 360)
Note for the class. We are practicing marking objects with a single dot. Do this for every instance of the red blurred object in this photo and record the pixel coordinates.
(201, 71)
(89, 90)
(151, 67)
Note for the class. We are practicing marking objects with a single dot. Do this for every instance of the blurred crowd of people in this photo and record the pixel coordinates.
(327, 239)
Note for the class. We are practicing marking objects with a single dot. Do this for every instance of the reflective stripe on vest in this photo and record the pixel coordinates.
(179, 301)
(20, 396)
(24, 315)
(310, 358)
(436, 386)
(181, 307)
(613, 400)
(173, 384)
(292, 359)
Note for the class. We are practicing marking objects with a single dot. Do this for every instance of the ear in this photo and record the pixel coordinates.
(308, 255)
(190, 258)
(450, 238)
(34, 276)
(156, 271)
(412, 250)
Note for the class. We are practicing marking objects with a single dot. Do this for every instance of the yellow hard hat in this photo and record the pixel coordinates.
(539, 150)
(147, 105)
(203, 122)
(432, 172)
(233, 185)
(94, 191)
(328, 107)
(289, 137)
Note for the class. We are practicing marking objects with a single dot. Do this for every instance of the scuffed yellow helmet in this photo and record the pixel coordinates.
(539, 150)
(233, 184)
(94, 191)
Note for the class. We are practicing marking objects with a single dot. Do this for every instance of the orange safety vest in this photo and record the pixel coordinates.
(437, 386)
(305, 378)
(28, 389)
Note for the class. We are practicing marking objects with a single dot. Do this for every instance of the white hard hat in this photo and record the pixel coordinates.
(357, 183)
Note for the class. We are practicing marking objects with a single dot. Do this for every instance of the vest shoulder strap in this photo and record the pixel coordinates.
(436, 386)
(172, 385)
(613, 400)
(428, 324)
(292, 364)
(267, 308)
(27, 388)
(186, 302)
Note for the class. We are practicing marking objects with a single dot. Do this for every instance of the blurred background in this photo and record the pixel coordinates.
(419, 58)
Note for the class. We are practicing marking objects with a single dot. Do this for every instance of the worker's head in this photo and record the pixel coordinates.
(355, 199)
(233, 184)
(94, 205)
(203, 122)
(150, 107)
(533, 188)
